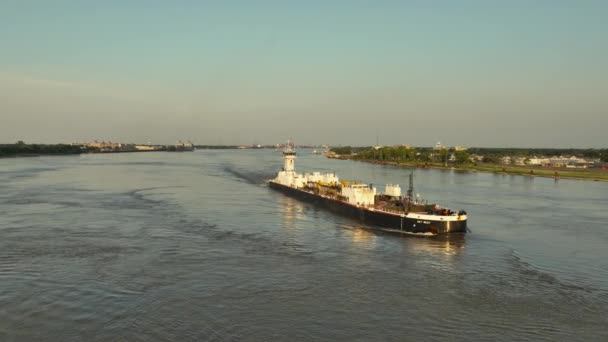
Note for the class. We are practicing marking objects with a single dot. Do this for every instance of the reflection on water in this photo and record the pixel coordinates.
(292, 210)
(293, 213)
(119, 248)
(363, 236)
(366, 235)
(447, 244)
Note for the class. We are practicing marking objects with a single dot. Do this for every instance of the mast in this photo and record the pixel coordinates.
(289, 155)
(410, 191)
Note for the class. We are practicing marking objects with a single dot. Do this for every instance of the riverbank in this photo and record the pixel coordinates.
(557, 173)
(29, 155)
(35, 150)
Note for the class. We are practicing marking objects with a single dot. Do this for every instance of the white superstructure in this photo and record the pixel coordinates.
(392, 190)
(289, 177)
(353, 193)
(359, 194)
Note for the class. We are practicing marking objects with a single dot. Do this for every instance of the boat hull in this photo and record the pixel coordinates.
(378, 219)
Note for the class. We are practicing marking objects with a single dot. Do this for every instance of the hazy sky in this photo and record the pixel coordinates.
(474, 73)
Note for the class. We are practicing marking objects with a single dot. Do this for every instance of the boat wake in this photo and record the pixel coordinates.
(419, 234)
(250, 177)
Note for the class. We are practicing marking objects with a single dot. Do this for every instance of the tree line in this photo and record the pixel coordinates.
(23, 149)
(490, 155)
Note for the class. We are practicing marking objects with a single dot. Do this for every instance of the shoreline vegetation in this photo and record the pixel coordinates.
(462, 161)
(20, 149)
(397, 156)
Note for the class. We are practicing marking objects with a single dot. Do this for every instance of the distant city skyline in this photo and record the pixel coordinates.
(470, 73)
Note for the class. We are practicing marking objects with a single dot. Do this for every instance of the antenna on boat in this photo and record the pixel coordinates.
(410, 191)
(289, 156)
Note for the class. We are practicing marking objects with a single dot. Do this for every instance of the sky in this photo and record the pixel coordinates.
(470, 73)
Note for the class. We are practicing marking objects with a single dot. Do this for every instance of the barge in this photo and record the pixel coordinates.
(388, 211)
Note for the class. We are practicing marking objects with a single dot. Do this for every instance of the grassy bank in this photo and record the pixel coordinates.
(584, 174)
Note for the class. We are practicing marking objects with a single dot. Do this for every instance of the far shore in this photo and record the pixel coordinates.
(29, 155)
(530, 171)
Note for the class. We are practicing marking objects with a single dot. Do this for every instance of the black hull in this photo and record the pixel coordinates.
(380, 220)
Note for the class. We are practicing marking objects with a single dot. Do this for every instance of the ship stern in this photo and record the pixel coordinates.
(457, 225)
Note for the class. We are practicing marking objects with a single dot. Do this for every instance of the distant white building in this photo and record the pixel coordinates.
(145, 148)
(534, 160)
(518, 160)
(475, 158)
(569, 162)
(439, 146)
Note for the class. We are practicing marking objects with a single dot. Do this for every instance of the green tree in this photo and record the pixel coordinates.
(490, 159)
(346, 150)
(462, 157)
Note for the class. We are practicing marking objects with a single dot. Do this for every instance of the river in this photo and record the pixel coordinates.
(194, 246)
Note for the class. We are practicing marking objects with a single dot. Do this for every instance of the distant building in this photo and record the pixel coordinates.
(475, 158)
(107, 146)
(184, 146)
(518, 160)
(534, 160)
(439, 147)
(146, 148)
(570, 162)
